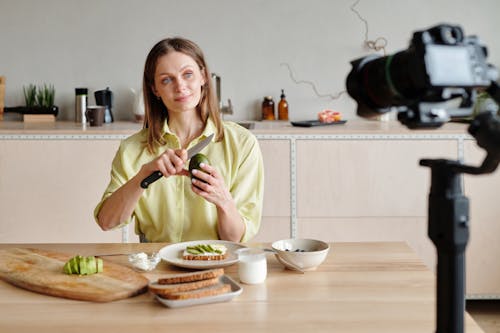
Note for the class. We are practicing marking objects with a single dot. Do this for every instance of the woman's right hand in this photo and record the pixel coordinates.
(170, 163)
(120, 205)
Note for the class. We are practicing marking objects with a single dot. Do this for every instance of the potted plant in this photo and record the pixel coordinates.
(30, 95)
(40, 100)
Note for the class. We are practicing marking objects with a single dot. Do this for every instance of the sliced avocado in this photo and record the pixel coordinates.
(197, 249)
(67, 268)
(83, 267)
(91, 265)
(100, 265)
(193, 250)
(75, 265)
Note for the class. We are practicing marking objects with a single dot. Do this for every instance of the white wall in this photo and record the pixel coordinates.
(100, 43)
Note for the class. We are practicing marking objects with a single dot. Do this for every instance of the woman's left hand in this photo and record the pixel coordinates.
(210, 185)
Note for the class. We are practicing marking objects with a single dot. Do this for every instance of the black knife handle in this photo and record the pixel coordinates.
(151, 179)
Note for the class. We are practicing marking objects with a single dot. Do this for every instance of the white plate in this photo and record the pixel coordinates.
(235, 291)
(173, 255)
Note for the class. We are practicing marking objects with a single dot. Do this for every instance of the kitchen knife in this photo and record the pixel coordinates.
(191, 152)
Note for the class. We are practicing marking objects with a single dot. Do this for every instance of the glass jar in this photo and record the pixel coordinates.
(252, 265)
(268, 108)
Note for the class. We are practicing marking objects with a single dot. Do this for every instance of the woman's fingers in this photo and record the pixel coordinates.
(209, 184)
(168, 165)
(201, 185)
(202, 175)
(171, 162)
(182, 153)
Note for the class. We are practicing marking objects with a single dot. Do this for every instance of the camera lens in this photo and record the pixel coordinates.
(378, 83)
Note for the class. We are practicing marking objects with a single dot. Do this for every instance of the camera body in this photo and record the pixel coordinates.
(439, 65)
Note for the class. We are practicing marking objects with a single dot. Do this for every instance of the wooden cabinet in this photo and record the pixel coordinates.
(49, 188)
(367, 190)
(276, 213)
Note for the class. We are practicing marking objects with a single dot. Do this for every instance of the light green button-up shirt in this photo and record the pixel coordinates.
(168, 210)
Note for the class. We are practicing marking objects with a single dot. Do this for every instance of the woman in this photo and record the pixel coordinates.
(181, 110)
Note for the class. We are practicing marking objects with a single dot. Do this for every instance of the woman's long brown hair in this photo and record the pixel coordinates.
(155, 111)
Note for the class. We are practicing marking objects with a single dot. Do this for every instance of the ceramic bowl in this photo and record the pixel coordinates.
(306, 254)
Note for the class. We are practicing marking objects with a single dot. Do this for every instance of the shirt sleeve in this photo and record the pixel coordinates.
(248, 188)
(118, 178)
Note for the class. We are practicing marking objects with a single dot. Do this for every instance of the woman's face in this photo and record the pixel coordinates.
(178, 81)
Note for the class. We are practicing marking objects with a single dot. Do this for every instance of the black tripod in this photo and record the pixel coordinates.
(448, 222)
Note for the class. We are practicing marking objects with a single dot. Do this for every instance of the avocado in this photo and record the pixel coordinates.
(75, 265)
(100, 265)
(83, 265)
(91, 265)
(195, 162)
(67, 268)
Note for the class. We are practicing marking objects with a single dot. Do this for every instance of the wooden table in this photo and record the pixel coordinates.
(361, 287)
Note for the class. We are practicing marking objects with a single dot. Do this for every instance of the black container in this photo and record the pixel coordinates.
(105, 98)
(33, 110)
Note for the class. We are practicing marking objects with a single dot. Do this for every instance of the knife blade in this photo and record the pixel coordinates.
(191, 152)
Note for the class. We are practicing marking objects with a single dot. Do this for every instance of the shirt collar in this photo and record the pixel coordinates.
(209, 129)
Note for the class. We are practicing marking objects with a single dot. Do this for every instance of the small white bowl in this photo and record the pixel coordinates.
(144, 262)
(307, 254)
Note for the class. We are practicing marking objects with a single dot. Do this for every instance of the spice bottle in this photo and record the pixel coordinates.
(268, 108)
(283, 107)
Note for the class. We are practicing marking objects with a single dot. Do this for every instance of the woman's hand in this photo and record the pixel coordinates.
(210, 185)
(119, 206)
(170, 163)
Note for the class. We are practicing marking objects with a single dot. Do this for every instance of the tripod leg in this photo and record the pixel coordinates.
(449, 231)
(450, 293)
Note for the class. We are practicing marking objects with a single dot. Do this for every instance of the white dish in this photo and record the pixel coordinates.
(306, 254)
(235, 291)
(173, 255)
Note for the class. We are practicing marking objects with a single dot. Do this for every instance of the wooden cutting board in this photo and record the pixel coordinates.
(42, 271)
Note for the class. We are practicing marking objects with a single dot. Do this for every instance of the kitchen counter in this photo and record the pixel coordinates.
(66, 128)
(361, 287)
(260, 128)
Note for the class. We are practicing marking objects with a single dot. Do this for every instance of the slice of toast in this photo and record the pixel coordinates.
(192, 276)
(164, 290)
(217, 289)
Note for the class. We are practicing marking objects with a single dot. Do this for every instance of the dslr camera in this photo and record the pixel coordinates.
(440, 67)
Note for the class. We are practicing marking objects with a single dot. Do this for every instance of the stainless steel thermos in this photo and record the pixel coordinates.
(80, 104)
